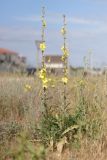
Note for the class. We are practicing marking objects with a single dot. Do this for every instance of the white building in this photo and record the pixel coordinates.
(54, 64)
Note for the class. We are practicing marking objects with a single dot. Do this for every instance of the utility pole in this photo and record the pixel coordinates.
(90, 60)
(38, 57)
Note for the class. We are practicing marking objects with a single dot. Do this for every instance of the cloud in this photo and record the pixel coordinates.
(91, 33)
(28, 18)
(17, 33)
(96, 1)
(31, 33)
(53, 20)
(82, 21)
(89, 27)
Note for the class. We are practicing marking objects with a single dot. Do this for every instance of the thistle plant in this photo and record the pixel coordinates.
(43, 72)
(64, 58)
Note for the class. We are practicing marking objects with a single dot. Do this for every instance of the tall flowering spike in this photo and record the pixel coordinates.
(43, 73)
(42, 44)
(65, 52)
(65, 61)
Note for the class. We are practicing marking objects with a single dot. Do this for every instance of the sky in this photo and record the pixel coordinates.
(20, 26)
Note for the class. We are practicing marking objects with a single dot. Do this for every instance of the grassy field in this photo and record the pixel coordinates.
(75, 131)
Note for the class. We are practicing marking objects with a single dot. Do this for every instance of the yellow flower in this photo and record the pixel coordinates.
(27, 88)
(63, 58)
(65, 80)
(42, 73)
(43, 77)
(63, 31)
(42, 46)
(44, 23)
(45, 82)
(66, 54)
(81, 82)
(65, 51)
(62, 48)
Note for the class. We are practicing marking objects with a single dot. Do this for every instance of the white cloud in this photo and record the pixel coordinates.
(90, 27)
(17, 33)
(92, 33)
(28, 18)
(57, 19)
(83, 21)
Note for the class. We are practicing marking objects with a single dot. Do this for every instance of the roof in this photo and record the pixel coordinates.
(53, 59)
(6, 51)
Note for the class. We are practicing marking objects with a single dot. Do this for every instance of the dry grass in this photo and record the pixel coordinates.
(18, 107)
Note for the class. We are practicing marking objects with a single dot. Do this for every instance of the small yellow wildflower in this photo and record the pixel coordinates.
(65, 51)
(63, 31)
(42, 73)
(27, 88)
(42, 46)
(43, 77)
(65, 80)
(62, 58)
(81, 82)
(62, 48)
(44, 23)
(45, 82)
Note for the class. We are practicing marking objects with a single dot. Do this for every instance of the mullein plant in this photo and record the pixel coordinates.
(65, 60)
(43, 71)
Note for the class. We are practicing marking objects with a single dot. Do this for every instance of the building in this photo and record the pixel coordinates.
(54, 64)
(11, 61)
